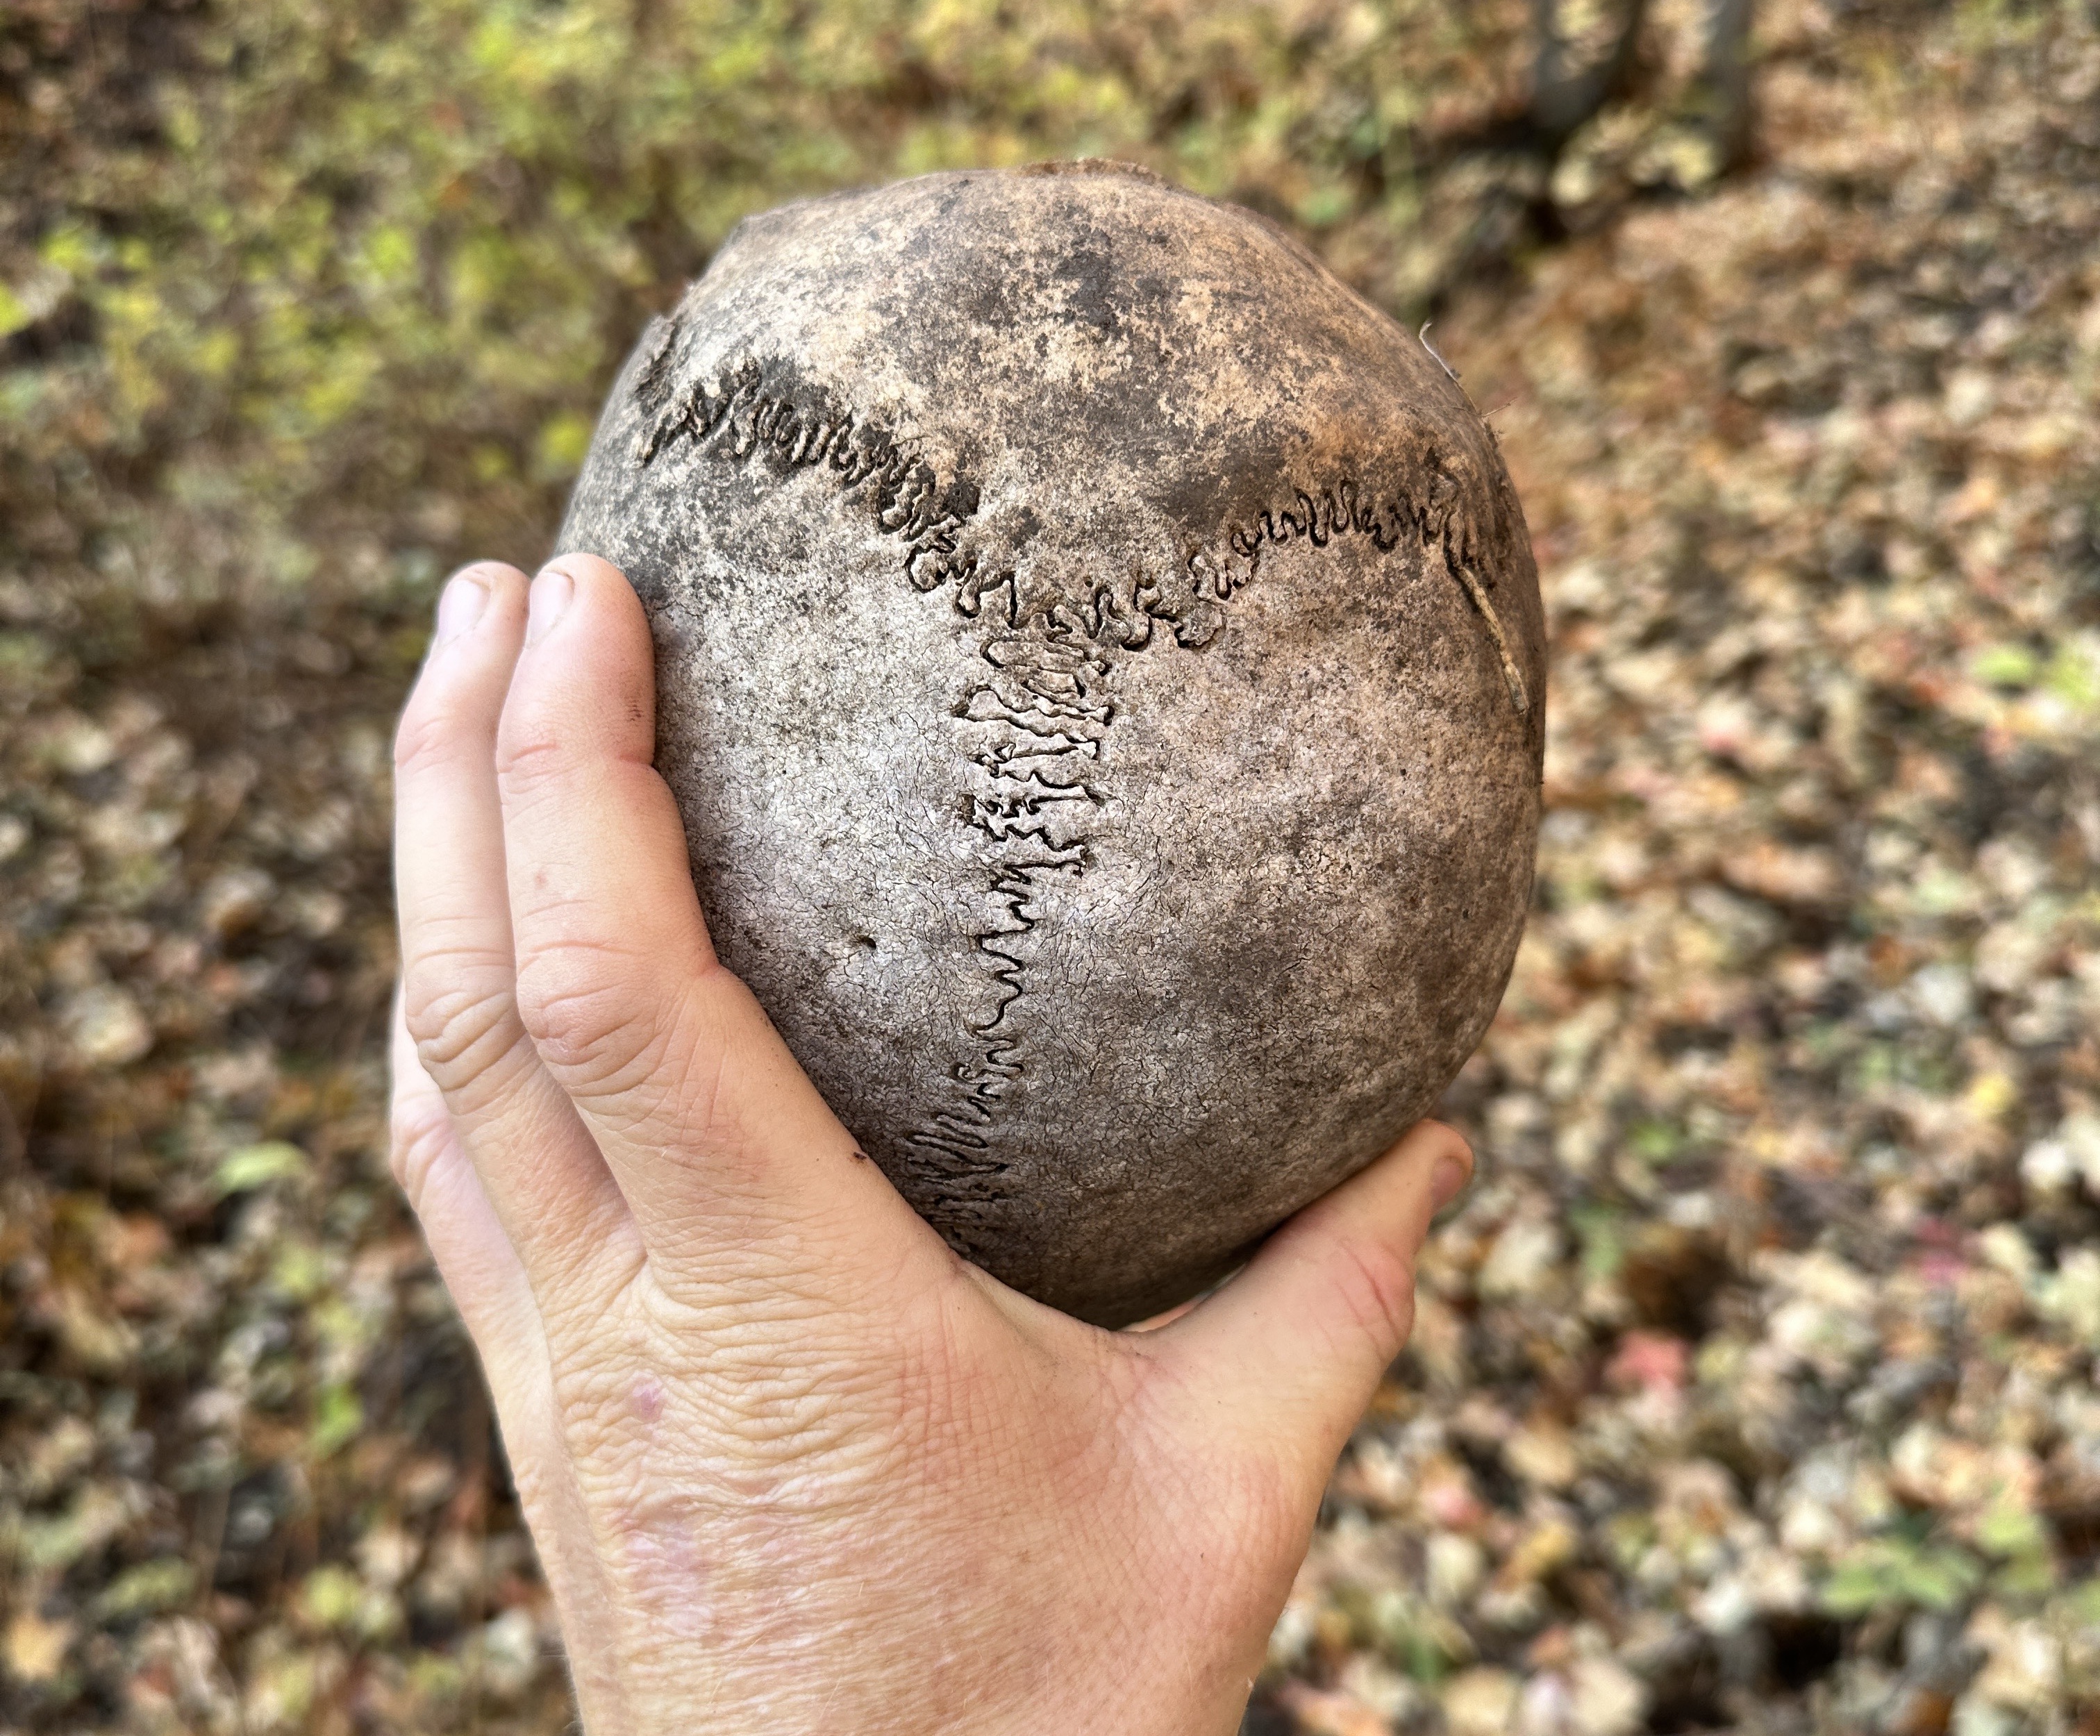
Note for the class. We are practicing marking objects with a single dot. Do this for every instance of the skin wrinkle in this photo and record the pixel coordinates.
(533, 762)
(606, 1263)
(474, 953)
(428, 737)
(651, 1094)
(500, 1084)
(598, 1056)
(752, 1298)
(752, 1288)
(782, 1418)
(787, 1421)
(704, 1116)
(932, 1386)
(1379, 1293)
(449, 1024)
(540, 771)
(623, 1465)
(774, 1288)
(418, 1140)
(575, 1270)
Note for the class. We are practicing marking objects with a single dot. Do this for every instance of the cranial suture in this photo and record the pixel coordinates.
(1100, 663)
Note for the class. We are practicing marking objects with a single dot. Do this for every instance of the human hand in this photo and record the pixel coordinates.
(792, 1466)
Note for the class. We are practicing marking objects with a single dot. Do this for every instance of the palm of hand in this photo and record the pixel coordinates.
(790, 1463)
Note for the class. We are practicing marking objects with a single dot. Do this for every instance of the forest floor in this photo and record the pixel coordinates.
(1754, 1388)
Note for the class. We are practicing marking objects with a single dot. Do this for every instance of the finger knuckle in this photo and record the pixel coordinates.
(531, 757)
(420, 1135)
(590, 1025)
(459, 1015)
(448, 716)
(1376, 1285)
(427, 737)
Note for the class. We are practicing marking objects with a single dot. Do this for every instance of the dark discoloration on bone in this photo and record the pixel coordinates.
(1100, 666)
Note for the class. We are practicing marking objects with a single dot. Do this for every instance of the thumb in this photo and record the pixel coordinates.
(1298, 1341)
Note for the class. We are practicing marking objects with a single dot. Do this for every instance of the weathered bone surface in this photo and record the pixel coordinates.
(1100, 663)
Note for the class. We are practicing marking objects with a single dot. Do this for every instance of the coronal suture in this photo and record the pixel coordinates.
(1037, 714)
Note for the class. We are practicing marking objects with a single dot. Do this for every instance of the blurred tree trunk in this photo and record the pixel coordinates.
(1573, 80)
(1725, 82)
(1569, 87)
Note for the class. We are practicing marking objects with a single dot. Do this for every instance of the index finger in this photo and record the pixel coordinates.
(540, 1173)
(716, 1134)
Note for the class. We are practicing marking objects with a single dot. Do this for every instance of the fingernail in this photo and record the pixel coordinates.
(549, 599)
(1450, 1181)
(460, 606)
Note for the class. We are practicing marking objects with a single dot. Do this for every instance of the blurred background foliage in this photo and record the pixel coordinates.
(322, 272)
(1755, 1389)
